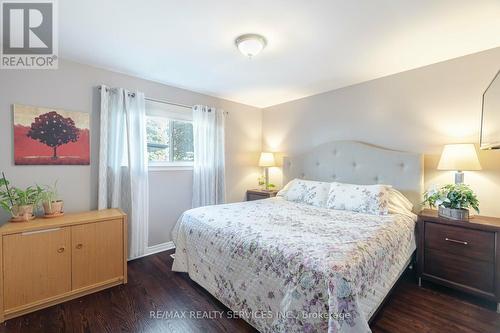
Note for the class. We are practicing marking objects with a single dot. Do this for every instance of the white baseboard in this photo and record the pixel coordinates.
(156, 249)
(160, 247)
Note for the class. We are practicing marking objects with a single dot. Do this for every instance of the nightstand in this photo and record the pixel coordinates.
(464, 255)
(260, 194)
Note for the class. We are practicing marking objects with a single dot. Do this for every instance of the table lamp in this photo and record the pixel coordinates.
(459, 158)
(266, 161)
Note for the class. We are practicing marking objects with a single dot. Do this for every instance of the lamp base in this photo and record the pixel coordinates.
(459, 177)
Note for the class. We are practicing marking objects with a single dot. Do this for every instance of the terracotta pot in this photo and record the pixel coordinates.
(22, 213)
(55, 207)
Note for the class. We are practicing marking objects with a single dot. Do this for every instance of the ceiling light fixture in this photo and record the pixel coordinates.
(250, 44)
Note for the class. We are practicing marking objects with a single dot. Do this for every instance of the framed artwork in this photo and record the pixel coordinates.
(46, 136)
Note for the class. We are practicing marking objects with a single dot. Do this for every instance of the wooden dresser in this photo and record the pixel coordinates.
(260, 194)
(463, 255)
(49, 261)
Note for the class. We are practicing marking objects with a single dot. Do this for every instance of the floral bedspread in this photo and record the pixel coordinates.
(291, 267)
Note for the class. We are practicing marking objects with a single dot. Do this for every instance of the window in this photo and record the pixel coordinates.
(169, 132)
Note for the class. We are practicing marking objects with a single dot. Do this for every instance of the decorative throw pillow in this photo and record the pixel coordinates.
(369, 199)
(306, 191)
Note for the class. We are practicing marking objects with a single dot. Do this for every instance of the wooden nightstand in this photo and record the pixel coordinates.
(260, 194)
(464, 255)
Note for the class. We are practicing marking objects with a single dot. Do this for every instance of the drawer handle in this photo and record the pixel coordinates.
(79, 246)
(455, 241)
(60, 250)
(26, 233)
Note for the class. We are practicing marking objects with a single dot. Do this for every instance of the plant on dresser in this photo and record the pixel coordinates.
(52, 206)
(453, 201)
(261, 180)
(20, 204)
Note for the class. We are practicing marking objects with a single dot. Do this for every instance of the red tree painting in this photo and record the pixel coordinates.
(48, 136)
(53, 130)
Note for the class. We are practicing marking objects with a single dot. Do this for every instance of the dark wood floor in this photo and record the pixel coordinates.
(153, 287)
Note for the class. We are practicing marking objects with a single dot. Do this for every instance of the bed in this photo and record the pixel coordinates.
(292, 267)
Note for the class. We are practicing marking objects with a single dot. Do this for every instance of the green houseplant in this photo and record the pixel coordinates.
(20, 204)
(453, 201)
(52, 206)
(262, 184)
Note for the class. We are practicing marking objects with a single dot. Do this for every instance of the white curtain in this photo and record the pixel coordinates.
(123, 176)
(209, 164)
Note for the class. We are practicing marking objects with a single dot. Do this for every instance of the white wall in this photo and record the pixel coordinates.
(170, 195)
(73, 87)
(418, 110)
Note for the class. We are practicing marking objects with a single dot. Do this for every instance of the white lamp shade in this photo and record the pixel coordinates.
(459, 157)
(266, 160)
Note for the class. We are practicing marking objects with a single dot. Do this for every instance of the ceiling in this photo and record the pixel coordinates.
(313, 46)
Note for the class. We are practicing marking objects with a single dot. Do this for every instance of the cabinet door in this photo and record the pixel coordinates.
(97, 252)
(37, 266)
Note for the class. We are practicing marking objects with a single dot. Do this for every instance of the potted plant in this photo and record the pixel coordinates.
(262, 182)
(453, 201)
(20, 204)
(52, 206)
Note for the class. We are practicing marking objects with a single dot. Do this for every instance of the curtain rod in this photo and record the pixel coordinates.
(167, 102)
(158, 100)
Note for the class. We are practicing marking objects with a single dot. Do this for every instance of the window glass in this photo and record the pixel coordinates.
(182, 134)
(169, 141)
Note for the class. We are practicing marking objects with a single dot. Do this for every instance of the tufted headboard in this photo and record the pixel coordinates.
(359, 163)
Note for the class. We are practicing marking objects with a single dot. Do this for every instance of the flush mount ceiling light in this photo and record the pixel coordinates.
(250, 44)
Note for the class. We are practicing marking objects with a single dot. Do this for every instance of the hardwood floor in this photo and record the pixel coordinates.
(153, 287)
(432, 308)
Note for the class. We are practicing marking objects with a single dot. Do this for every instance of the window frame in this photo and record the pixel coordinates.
(168, 165)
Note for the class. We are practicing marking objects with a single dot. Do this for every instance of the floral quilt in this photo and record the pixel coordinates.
(290, 267)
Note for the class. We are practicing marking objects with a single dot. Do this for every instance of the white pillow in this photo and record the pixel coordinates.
(282, 193)
(306, 191)
(398, 200)
(369, 199)
(399, 204)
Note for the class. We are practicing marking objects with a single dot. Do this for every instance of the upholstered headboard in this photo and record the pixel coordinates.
(359, 163)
